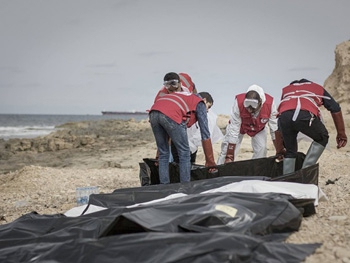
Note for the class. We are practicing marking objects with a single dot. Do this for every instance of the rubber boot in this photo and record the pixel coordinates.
(313, 154)
(288, 165)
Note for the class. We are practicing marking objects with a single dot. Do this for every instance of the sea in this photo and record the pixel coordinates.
(35, 125)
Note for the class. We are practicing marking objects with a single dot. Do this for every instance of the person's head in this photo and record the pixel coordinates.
(207, 98)
(172, 81)
(252, 101)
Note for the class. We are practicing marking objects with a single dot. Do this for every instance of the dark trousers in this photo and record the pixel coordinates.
(176, 155)
(290, 129)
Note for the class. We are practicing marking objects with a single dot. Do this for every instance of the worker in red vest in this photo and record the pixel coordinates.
(299, 112)
(251, 112)
(170, 116)
(186, 85)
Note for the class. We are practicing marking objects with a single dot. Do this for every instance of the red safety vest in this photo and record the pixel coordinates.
(178, 106)
(251, 125)
(186, 81)
(302, 96)
(161, 93)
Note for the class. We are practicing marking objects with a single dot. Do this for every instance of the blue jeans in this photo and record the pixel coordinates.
(163, 127)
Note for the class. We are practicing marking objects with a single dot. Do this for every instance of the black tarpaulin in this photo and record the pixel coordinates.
(131, 196)
(35, 228)
(245, 213)
(264, 167)
(262, 217)
(143, 224)
(161, 247)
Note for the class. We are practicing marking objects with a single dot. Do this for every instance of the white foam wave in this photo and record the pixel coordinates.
(25, 131)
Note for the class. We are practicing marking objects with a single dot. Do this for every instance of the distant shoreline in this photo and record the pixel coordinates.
(124, 112)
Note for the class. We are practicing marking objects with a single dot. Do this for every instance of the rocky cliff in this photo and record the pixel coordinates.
(338, 83)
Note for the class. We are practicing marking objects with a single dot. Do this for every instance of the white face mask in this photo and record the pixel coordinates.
(251, 103)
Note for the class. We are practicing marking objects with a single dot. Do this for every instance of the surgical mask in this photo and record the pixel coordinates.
(251, 103)
(171, 83)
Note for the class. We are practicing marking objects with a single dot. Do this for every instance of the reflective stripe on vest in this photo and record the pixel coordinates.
(306, 95)
(186, 110)
(186, 82)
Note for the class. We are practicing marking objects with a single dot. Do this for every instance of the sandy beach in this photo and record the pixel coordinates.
(42, 174)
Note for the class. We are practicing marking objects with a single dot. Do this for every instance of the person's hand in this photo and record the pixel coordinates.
(212, 170)
(211, 164)
(280, 155)
(156, 163)
(279, 158)
(229, 159)
(279, 146)
(340, 126)
(341, 140)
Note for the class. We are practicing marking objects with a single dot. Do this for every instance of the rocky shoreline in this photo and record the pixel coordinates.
(75, 142)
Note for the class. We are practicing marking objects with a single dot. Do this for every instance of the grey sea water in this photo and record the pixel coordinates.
(34, 125)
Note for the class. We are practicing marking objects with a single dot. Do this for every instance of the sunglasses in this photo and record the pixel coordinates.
(251, 103)
(171, 83)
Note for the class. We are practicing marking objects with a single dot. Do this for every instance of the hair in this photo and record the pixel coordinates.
(171, 76)
(207, 96)
(299, 81)
(252, 94)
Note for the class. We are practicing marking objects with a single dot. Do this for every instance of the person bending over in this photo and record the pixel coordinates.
(170, 116)
(299, 111)
(251, 112)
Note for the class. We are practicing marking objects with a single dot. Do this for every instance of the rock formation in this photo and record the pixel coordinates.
(338, 83)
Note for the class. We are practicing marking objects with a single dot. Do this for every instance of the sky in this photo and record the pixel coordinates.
(86, 56)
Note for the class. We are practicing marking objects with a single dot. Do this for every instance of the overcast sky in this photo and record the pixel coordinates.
(82, 57)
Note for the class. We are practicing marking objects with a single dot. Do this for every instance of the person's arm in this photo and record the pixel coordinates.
(273, 121)
(276, 135)
(232, 132)
(330, 104)
(202, 118)
(215, 132)
(194, 137)
(194, 91)
(234, 126)
(334, 108)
